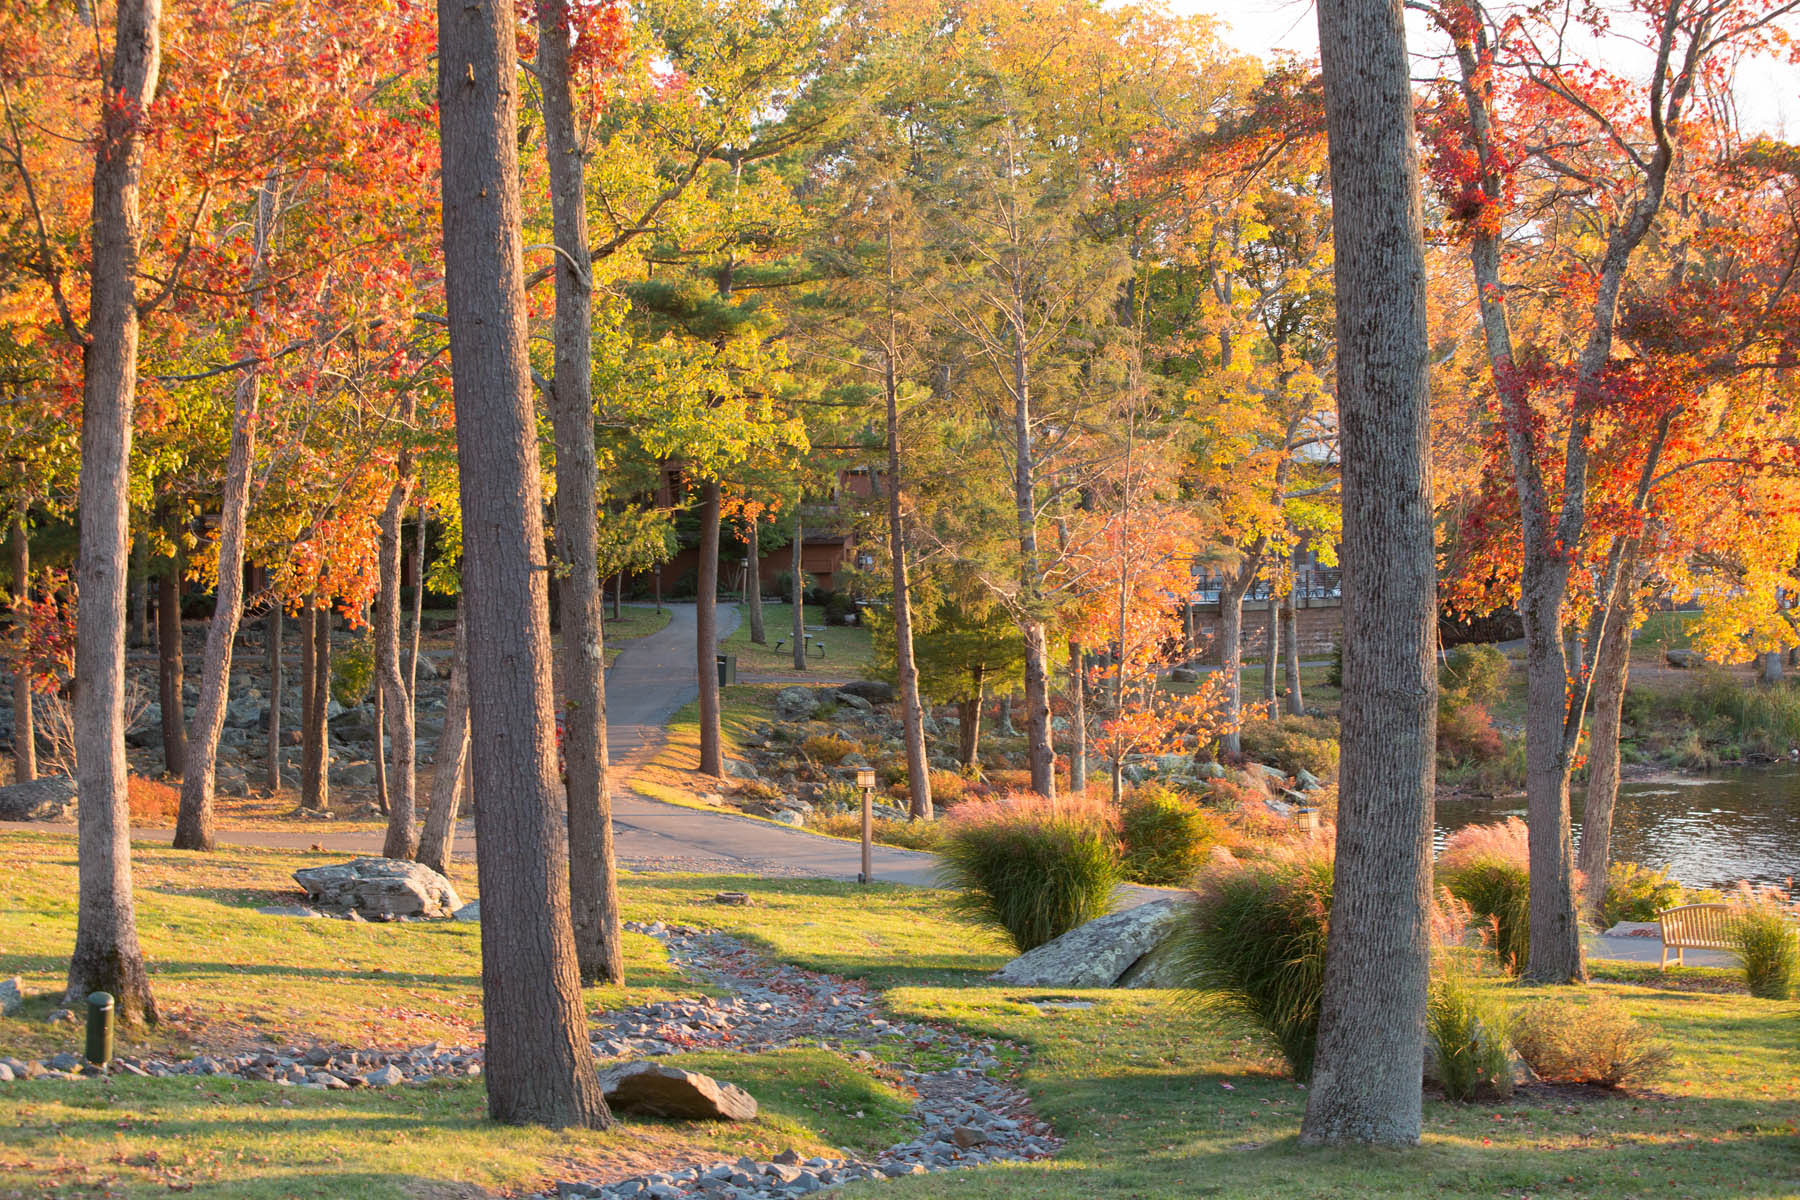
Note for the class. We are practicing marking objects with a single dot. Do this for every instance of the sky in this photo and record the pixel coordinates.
(1768, 92)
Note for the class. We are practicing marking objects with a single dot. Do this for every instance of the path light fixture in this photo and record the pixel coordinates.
(865, 782)
(99, 1028)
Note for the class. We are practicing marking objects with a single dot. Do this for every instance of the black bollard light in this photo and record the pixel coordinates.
(100, 1028)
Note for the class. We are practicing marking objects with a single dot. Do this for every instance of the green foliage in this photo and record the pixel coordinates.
(958, 650)
(1637, 893)
(908, 835)
(1761, 932)
(1466, 1031)
(839, 608)
(1167, 838)
(1254, 942)
(1293, 744)
(1477, 673)
(1485, 867)
(828, 749)
(353, 672)
(1719, 717)
(1029, 867)
(1334, 675)
(1592, 1040)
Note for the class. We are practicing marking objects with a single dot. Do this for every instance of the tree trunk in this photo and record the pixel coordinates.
(753, 583)
(968, 724)
(1612, 670)
(107, 956)
(402, 840)
(378, 702)
(1296, 703)
(140, 592)
(1555, 929)
(1365, 1085)
(450, 764)
(1040, 753)
(912, 712)
(798, 598)
(418, 611)
(277, 686)
(315, 733)
(194, 821)
(1231, 664)
(706, 637)
(1078, 751)
(1272, 655)
(169, 668)
(24, 728)
(593, 874)
(540, 1067)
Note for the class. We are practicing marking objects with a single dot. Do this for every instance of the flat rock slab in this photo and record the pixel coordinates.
(656, 1090)
(51, 798)
(1099, 954)
(12, 995)
(383, 887)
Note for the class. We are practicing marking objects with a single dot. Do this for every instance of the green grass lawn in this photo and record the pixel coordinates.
(1156, 1097)
(847, 647)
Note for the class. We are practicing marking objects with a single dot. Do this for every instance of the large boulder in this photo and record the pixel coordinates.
(1099, 954)
(380, 887)
(656, 1090)
(875, 691)
(51, 798)
(795, 703)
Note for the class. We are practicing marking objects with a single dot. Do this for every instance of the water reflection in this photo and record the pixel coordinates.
(1709, 830)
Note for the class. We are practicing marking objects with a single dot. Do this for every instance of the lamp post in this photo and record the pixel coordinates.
(865, 781)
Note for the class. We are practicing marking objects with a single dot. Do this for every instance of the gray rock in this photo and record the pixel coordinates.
(737, 768)
(51, 798)
(656, 1090)
(875, 691)
(788, 816)
(12, 995)
(1097, 954)
(385, 887)
(1209, 770)
(795, 703)
(1184, 675)
(289, 910)
(469, 912)
(386, 1076)
(1306, 781)
(244, 714)
(852, 700)
(1682, 659)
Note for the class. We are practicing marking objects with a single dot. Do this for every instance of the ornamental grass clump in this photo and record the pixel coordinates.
(1030, 867)
(1761, 933)
(1485, 867)
(1253, 942)
(1167, 837)
(1467, 1034)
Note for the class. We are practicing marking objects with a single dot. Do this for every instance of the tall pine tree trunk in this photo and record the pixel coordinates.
(1231, 656)
(753, 583)
(968, 720)
(1078, 751)
(798, 597)
(1365, 1085)
(402, 840)
(912, 712)
(277, 671)
(24, 727)
(194, 821)
(315, 733)
(540, 1068)
(1040, 753)
(450, 765)
(1296, 703)
(107, 956)
(593, 876)
(706, 635)
(169, 668)
(1272, 657)
(140, 591)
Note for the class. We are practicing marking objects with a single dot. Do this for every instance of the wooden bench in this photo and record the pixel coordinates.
(1693, 927)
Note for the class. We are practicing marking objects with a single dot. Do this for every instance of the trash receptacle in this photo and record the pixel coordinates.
(727, 669)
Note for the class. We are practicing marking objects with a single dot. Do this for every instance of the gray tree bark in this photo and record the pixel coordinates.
(1365, 1085)
(24, 727)
(277, 670)
(1233, 587)
(798, 586)
(540, 1067)
(140, 592)
(706, 631)
(1612, 671)
(315, 733)
(450, 765)
(1272, 655)
(1296, 703)
(194, 820)
(107, 955)
(753, 582)
(418, 609)
(593, 874)
(170, 670)
(396, 708)
(912, 712)
(1040, 752)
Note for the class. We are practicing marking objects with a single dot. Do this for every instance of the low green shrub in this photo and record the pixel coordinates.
(1167, 838)
(1293, 744)
(1466, 1031)
(828, 749)
(1477, 673)
(909, 835)
(1253, 941)
(1637, 893)
(1486, 868)
(1592, 1040)
(1030, 867)
(1761, 933)
(353, 672)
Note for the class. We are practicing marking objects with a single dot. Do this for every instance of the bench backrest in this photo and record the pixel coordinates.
(1702, 926)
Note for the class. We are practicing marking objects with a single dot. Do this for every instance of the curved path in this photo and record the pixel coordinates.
(649, 682)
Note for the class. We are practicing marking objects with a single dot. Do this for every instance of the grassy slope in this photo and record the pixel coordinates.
(1138, 1084)
(847, 647)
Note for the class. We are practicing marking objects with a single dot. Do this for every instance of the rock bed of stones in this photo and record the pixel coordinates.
(966, 1116)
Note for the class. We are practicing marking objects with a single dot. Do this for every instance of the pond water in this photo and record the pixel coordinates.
(1709, 830)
